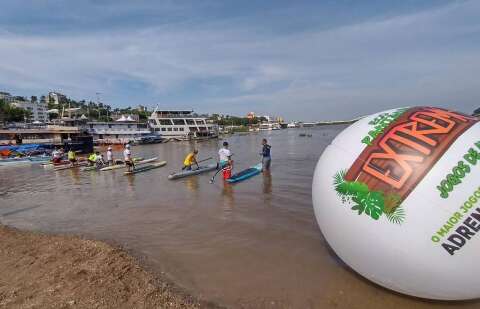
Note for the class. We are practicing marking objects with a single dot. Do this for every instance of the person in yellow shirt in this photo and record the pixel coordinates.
(72, 157)
(190, 159)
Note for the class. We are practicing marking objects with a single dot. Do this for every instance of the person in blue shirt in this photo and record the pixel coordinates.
(266, 158)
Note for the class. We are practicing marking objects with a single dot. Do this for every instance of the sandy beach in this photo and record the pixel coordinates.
(45, 271)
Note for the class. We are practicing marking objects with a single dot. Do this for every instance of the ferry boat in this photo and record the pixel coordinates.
(181, 125)
(117, 132)
(292, 125)
(269, 126)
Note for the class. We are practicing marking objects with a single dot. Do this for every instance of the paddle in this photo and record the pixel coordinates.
(212, 180)
(209, 158)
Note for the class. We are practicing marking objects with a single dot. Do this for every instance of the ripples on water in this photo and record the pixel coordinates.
(253, 244)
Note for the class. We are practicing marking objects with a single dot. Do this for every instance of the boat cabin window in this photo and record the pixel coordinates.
(181, 129)
(190, 121)
(179, 122)
(164, 129)
(151, 121)
(110, 126)
(142, 125)
(165, 122)
(175, 129)
(169, 129)
(200, 122)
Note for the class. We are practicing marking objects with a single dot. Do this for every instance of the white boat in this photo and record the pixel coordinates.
(117, 132)
(292, 125)
(269, 126)
(181, 124)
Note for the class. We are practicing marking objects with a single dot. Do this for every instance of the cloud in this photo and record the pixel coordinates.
(430, 57)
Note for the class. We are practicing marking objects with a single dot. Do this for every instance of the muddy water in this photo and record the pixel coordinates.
(254, 244)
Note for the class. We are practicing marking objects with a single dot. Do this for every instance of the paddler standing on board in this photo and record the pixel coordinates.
(127, 156)
(266, 157)
(190, 159)
(110, 156)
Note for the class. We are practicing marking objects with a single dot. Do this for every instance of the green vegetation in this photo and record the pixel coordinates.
(10, 113)
(96, 111)
(372, 203)
(235, 121)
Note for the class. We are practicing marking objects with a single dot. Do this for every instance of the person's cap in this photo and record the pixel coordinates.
(128, 146)
(195, 151)
(225, 143)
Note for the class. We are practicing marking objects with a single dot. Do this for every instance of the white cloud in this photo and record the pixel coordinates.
(425, 58)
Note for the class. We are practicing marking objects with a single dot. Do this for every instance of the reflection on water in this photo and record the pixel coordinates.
(255, 243)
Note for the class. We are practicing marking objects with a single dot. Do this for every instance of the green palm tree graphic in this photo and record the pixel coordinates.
(372, 203)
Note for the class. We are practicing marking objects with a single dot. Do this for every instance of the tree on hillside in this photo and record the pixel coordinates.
(477, 111)
(9, 113)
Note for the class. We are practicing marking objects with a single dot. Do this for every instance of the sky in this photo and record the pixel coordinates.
(302, 60)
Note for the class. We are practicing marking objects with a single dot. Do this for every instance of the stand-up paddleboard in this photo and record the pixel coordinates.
(66, 167)
(245, 174)
(199, 170)
(119, 166)
(90, 168)
(146, 168)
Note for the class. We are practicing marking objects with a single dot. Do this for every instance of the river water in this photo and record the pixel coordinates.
(253, 244)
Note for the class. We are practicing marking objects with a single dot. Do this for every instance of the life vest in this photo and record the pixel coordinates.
(92, 157)
(227, 171)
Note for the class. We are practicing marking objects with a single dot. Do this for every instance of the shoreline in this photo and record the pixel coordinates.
(43, 271)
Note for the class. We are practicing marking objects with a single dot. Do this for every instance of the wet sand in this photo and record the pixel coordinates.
(43, 271)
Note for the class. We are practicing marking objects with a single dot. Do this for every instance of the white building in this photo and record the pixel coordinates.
(57, 97)
(7, 97)
(38, 110)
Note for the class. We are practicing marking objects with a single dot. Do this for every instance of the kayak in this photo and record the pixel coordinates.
(199, 170)
(146, 168)
(118, 166)
(245, 174)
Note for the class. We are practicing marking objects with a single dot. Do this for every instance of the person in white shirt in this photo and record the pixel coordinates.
(56, 156)
(109, 156)
(127, 156)
(224, 154)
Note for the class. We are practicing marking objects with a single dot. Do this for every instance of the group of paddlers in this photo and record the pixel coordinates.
(96, 158)
(225, 159)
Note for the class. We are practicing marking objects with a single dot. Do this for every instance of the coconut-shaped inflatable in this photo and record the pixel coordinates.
(397, 196)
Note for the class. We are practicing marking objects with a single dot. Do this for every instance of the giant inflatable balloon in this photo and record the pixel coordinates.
(397, 196)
